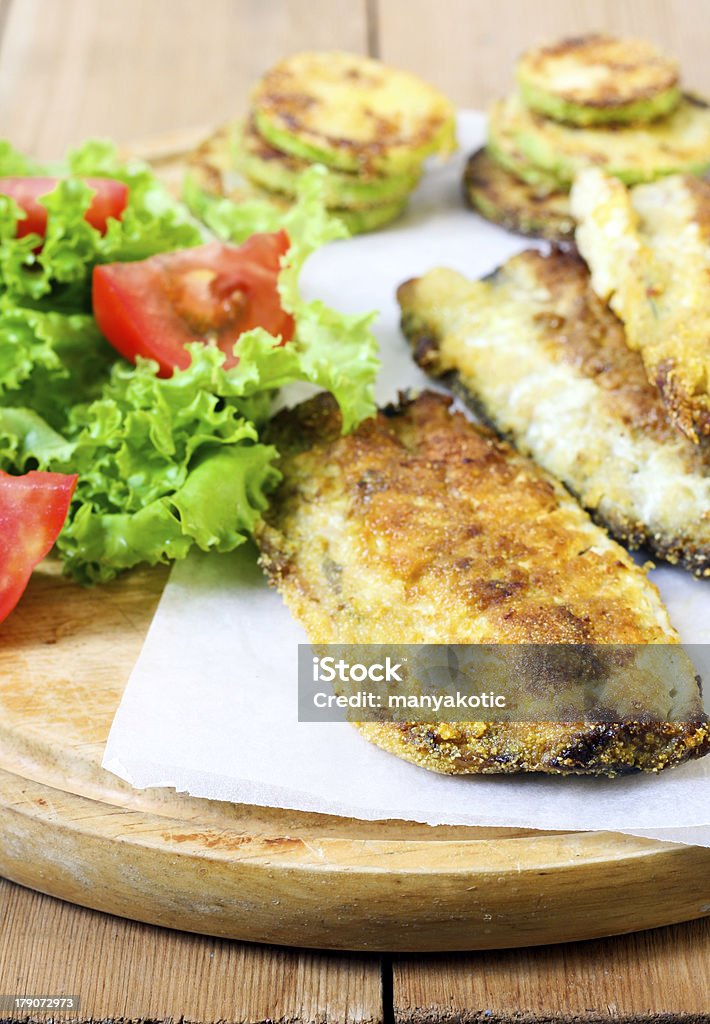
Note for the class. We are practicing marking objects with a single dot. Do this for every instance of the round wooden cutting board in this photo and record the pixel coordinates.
(74, 831)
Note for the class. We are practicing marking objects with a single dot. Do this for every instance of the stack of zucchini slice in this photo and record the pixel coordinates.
(372, 126)
(589, 101)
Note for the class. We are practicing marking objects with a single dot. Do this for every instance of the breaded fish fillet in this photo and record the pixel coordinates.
(648, 250)
(421, 527)
(537, 354)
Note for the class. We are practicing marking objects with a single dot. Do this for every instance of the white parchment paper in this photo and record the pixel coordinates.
(211, 706)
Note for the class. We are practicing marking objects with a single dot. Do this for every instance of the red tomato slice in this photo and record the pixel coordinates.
(109, 200)
(212, 293)
(33, 508)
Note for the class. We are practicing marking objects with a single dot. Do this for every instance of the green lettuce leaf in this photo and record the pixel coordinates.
(28, 442)
(15, 164)
(337, 351)
(59, 275)
(231, 221)
(215, 509)
(164, 464)
(332, 350)
(51, 361)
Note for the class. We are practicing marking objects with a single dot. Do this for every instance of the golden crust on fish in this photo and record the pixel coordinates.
(555, 749)
(546, 363)
(421, 527)
(648, 250)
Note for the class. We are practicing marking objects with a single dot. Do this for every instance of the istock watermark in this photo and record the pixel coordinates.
(501, 682)
(327, 670)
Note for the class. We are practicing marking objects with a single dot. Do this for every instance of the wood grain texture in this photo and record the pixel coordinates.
(468, 47)
(122, 969)
(70, 69)
(70, 829)
(661, 974)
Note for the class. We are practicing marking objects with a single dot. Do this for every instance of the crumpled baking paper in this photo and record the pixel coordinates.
(211, 706)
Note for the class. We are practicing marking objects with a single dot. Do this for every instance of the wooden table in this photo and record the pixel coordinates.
(134, 69)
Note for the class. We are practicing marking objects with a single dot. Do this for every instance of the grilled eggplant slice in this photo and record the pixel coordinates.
(421, 527)
(597, 79)
(279, 172)
(649, 253)
(680, 143)
(506, 200)
(543, 360)
(352, 113)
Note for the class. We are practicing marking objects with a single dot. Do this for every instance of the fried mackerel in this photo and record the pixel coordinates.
(537, 354)
(514, 204)
(597, 79)
(648, 249)
(421, 527)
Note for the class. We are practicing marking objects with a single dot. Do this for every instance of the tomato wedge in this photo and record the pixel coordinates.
(33, 508)
(109, 200)
(212, 293)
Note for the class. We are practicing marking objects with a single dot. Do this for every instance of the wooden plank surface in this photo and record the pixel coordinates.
(468, 47)
(651, 975)
(141, 68)
(122, 969)
(75, 831)
(135, 69)
(145, 68)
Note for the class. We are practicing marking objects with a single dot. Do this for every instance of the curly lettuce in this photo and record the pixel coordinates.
(51, 361)
(335, 351)
(164, 465)
(58, 276)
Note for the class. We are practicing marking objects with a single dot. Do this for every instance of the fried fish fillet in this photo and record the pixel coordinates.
(545, 362)
(421, 527)
(648, 249)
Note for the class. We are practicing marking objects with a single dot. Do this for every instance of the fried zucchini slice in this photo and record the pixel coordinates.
(421, 527)
(506, 200)
(370, 218)
(648, 249)
(279, 172)
(680, 143)
(503, 148)
(544, 361)
(597, 79)
(212, 166)
(352, 113)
